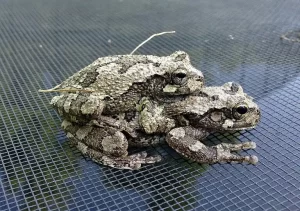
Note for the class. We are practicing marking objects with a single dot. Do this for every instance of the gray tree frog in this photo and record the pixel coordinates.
(115, 84)
(184, 123)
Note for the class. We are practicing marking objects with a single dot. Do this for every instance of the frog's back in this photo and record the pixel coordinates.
(118, 71)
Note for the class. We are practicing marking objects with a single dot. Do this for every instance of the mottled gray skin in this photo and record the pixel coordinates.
(184, 124)
(115, 84)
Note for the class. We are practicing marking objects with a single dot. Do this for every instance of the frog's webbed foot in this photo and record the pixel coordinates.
(184, 141)
(224, 150)
(226, 156)
(131, 162)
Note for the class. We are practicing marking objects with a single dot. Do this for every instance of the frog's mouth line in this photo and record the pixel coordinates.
(232, 125)
(171, 98)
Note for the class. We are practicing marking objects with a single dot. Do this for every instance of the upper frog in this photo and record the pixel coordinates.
(115, 84)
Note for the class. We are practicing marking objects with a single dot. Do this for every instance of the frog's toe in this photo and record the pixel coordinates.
(153, 159)
(142, 154)
(249, 145)
(143, 159)
(253, 159)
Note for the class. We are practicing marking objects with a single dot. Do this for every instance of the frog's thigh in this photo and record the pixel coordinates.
(131, 162)
(105, 145)
(107, 140)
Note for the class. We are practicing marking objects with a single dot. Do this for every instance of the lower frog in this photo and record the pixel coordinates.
(183, 124)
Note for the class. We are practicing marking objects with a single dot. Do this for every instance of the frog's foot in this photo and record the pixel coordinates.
(236, 147)
(131, 162)
(226, 156)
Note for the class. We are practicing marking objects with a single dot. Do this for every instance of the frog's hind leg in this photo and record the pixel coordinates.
(186, 141)
(107, 146)
(131, 162)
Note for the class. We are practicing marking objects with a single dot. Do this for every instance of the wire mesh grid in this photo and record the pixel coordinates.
(44, 42)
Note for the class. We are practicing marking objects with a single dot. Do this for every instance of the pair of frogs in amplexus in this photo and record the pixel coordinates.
(137, 100)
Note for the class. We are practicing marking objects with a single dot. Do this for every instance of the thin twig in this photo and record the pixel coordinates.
(82, 90)
(65, 90)
(154, 35)
(285, 36)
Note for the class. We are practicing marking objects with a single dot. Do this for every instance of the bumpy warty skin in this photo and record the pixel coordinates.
(115, 84)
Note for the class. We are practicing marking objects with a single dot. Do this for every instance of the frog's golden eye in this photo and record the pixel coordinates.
(240, 110)
(179, 76)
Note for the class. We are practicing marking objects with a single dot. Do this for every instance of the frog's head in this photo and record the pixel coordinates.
(220, 108)
(181, 77)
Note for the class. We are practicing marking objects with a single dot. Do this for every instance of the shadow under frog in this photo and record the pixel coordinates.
(170, 185)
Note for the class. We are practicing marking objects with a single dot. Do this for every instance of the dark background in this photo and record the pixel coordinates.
(44, 42)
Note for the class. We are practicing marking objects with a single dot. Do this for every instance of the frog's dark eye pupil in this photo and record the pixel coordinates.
(180, 75)
(242, 109)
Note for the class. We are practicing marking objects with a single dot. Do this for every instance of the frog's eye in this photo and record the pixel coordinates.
(179, 77)
(240, 110)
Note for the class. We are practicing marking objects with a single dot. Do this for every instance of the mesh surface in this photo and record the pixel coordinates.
(44, 42)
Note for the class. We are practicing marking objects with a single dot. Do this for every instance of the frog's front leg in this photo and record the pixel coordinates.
(152, 119)
(185, 140)
(105, 145)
